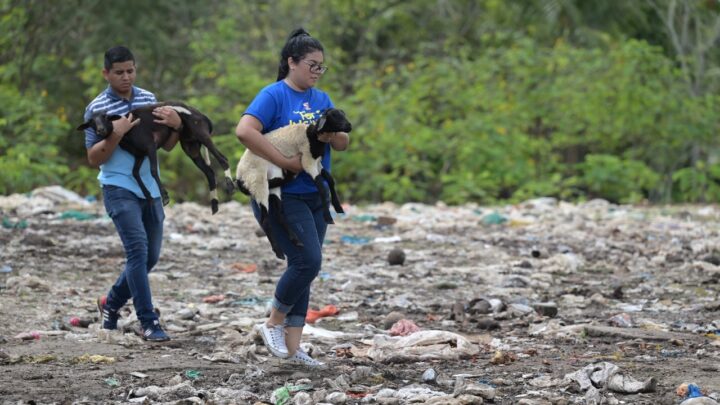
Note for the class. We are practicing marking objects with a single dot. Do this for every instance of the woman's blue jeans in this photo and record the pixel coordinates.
(140, 225)
(304, 214)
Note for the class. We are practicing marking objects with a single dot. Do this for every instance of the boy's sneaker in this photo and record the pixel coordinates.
(108, 317)
(154, 333)
(304, 359)
(274, 338)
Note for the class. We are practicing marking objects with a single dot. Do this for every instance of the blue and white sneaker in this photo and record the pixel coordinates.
(154, 332)
(108, 317)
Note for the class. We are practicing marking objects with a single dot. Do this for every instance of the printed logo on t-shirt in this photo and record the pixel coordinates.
(306, 117)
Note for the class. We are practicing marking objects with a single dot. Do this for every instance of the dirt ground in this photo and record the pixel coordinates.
(541, 290)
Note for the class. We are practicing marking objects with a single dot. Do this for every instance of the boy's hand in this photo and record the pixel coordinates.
(123, 125)
(168, 116)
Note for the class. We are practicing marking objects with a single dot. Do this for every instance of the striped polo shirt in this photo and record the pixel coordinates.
(117, 171)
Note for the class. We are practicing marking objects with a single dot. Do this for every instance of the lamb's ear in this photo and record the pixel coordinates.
(84, 125)
(321, 123)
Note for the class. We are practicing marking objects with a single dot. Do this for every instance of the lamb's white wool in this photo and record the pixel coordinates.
(255, 171)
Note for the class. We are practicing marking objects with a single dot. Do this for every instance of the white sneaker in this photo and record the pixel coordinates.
(274, 339)
(303, 359)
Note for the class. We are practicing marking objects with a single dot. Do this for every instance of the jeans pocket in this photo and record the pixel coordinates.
(116, 200)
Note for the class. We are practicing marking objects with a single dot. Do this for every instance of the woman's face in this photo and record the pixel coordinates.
(306, 72)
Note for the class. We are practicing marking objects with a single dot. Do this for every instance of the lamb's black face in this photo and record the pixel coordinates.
(334, 120)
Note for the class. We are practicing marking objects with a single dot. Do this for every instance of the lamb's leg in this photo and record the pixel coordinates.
(241, 186)
(279, 214)
(136, 175)
(223, 161)
(152, 157)
(333, 194)
(313, 167)
(267, 228)
(325, 199)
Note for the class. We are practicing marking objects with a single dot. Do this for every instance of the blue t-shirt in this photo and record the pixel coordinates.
(278, 105)
(117, 171)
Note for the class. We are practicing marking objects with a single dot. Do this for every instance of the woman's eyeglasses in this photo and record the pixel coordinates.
(316, 67)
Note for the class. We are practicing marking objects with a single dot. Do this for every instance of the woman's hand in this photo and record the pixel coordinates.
(326, 136)
(294, 164)
(338, 140)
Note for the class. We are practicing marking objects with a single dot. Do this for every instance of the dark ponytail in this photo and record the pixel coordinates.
(298, 44)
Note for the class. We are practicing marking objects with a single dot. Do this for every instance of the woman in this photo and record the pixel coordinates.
(293, 98)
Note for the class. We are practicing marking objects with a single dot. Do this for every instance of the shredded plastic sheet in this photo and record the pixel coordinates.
(422, 345)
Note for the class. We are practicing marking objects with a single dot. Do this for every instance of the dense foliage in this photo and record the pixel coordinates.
(456, 101)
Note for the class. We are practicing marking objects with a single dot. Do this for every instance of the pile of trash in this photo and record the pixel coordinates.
(542, 302)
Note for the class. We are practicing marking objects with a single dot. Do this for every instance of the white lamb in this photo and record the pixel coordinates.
(261, 179)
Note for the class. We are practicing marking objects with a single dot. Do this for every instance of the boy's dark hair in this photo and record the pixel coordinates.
(299, 44)
(117, 54)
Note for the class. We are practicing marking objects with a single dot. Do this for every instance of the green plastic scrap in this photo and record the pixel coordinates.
(8, 224)
(193, 374)
(282, 396)
(494, 219)
(301, 387)
(112, 381)
(364, 218)
(78, 215)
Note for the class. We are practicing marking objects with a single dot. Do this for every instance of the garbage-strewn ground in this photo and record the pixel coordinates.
(543, 302)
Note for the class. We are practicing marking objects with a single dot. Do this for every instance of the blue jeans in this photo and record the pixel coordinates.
(140, 225)
(304, 214)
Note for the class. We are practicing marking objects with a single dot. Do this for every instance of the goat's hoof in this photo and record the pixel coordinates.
(329, 219)
(229, 185)
(214, 205)
(298, 243)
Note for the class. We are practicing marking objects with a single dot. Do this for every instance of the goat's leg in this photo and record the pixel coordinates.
(229, 186)
(333, 193)
(210, 175)
(152, 157)
(136, 175)
(192, 149)
(325, 198)
(213, 192)
(277, 212)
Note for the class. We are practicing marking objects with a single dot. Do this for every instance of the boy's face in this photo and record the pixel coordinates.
(121, 77)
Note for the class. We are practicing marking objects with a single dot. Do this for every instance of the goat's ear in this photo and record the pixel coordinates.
(84, 125)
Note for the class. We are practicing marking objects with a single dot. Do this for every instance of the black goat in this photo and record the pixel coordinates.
(145, 138)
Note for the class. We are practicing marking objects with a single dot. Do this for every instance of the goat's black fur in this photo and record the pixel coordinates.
(145, 138)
